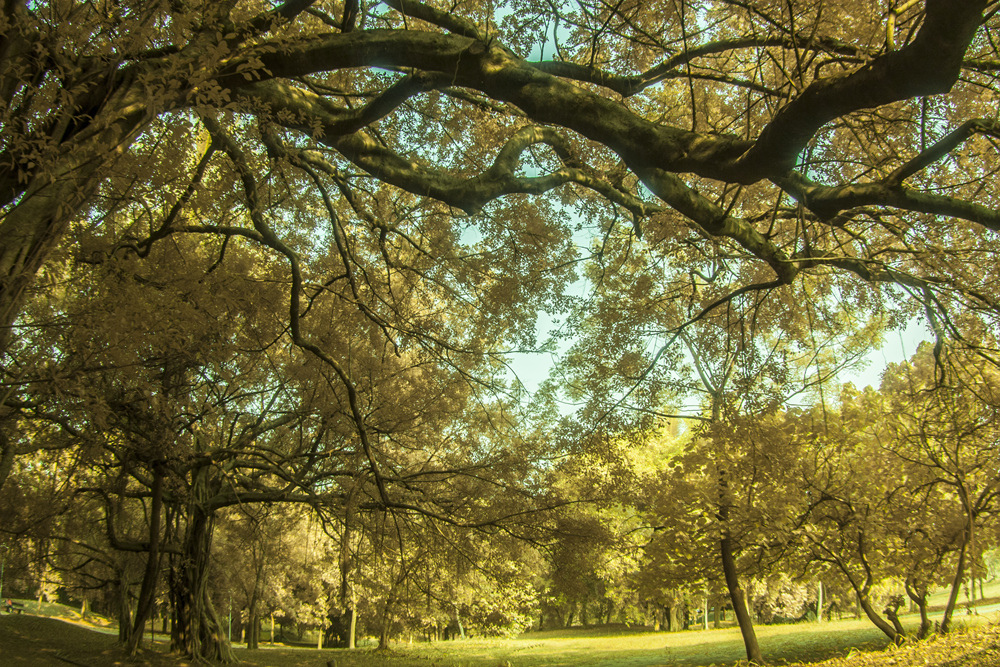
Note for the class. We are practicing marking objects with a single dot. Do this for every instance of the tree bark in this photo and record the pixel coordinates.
(56, 192)
(253, 614)
(198, 632)
(819, 602)
(865, 605)
(124, 608)
(458, 620)
(956, 585)
(253, 630)
(732, 576)
(890, 613)
(8, 450)
(736, 597)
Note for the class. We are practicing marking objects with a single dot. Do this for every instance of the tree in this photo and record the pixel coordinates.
(848, 490)
(940, 416)
(180, 399)
(790, 122)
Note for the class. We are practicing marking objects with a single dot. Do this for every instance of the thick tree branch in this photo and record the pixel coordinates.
(299, 109)
(828, 201)
(928, 65)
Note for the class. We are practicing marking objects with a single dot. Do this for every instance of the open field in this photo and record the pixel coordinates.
(28, 640)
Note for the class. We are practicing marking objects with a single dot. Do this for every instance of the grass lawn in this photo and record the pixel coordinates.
(597, 647)
(28, 640)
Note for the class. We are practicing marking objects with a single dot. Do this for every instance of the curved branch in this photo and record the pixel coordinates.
(272, 241)
(942, 147)
(928, 65)
(302, 110)
(827, 201)
(717, 221)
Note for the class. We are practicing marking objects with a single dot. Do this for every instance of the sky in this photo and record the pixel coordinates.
(533, 369)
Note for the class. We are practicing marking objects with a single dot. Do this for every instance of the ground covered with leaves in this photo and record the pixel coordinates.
(976, 648)
(30, 641)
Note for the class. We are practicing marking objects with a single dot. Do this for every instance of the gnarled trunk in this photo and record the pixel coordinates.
(198, 632)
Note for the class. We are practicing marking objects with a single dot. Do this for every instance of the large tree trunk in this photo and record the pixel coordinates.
(147, 593)
(253, 630)
(57, 190)
(253, 613)
(198, 633)
(122, 585)
(29, 233)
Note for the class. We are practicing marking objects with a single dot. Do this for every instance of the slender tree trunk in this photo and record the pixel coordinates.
(819, 602)
(864, 604)
(458, 620)
(354, 626)
(383, 635)
(253, 638)
(736, 597)
(956, 585)
(891, 614)
(732, 576)
(147, 592)
(8, 450)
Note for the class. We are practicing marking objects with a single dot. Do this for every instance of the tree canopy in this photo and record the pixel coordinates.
(259, 253)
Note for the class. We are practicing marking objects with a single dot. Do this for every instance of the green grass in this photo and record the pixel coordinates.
(584, 647)
(939, 598)
(593, 647)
